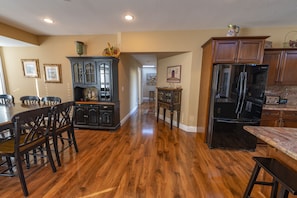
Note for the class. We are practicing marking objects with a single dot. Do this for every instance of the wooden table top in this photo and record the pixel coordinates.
(8, 111)
(281, 138)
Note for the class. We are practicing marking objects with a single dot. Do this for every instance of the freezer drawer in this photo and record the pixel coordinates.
(229, 134)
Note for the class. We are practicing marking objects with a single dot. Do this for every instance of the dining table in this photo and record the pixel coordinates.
(7, 111)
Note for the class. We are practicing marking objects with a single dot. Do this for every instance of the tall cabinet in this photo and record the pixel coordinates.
(220, 50)
(95, 91)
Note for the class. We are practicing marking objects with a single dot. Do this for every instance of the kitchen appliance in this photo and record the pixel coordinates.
(237, 98)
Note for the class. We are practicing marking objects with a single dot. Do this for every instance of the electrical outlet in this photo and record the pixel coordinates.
(272, 100)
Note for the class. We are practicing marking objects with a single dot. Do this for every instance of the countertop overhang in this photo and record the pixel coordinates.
(281, 138)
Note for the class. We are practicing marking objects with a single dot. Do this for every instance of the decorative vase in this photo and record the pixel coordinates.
(233, 30)
(79, 47)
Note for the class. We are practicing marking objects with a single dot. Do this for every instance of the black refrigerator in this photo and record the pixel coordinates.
(237, 97)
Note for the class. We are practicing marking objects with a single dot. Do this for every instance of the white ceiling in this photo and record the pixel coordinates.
(79, 17)
(76, 17)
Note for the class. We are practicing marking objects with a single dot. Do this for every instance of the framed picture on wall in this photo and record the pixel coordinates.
(174, 74)
(151, 79)
(52, 73)
(30, 68)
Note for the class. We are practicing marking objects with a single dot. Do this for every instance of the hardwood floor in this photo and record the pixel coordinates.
(141, 159)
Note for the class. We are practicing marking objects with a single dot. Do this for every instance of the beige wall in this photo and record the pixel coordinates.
(52, 50)
(128, 90)
(185, 60)
(55, 49)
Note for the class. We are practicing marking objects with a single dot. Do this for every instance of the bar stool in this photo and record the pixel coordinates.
(283, 175)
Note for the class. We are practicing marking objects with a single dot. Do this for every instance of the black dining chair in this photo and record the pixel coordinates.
(6, 131)
(30, 100)
(31, 131)
(6, 99)
(50, 100)
(63, 123)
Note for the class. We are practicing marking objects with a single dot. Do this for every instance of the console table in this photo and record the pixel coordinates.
(169, 98)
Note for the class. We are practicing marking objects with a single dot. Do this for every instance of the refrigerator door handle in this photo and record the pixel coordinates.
(240, 82)
(244, 92)
(237, 121)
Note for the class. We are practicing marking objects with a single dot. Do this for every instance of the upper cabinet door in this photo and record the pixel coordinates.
(289, 68)
(84, 73)
(282, 66)
(250, 51)
(105, 81)
(78, 72)
(273, 59)
(90, 73)
(225, 51)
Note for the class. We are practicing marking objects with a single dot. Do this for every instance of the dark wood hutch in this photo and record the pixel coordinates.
(95, 91)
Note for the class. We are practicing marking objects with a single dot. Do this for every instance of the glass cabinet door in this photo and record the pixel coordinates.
(105, 86)
(90, 73)
(78, 73)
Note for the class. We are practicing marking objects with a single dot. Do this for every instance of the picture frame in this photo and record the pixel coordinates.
(30, 68)
(174, 74)
(52, 73)
(151, 79)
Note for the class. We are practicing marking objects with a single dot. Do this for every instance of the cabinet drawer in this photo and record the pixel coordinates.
(87, 105)
(290, 115)
(272, 123)
(270, 115)
(106, 107)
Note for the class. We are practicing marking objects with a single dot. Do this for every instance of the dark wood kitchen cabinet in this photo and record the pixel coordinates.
(224, 50)
(270, 118)
(279, 118)
(239, 50)
(282, 66)
(289, 119)
(95, 91)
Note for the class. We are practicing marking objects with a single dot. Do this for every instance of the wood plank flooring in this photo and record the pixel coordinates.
(141, 159)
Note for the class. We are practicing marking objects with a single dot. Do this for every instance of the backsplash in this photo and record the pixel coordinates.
(288, 92)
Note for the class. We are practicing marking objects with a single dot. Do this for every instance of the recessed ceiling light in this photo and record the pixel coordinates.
(48, 20)
(129, 17)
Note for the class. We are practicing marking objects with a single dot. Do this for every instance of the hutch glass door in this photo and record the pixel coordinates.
(78, 72)
(90, 73)
(105, 86)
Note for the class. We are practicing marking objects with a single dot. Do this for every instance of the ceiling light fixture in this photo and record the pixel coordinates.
(48, 20)
(129, 17)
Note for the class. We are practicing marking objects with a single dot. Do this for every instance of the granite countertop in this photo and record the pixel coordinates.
(280, 107)
(281, 138)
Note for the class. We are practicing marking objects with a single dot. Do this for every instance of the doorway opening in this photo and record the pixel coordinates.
(148, 82)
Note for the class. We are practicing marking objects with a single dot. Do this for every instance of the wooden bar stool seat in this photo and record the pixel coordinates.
(282, 175)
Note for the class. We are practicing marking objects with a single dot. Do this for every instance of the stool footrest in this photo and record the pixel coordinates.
(264, 183)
